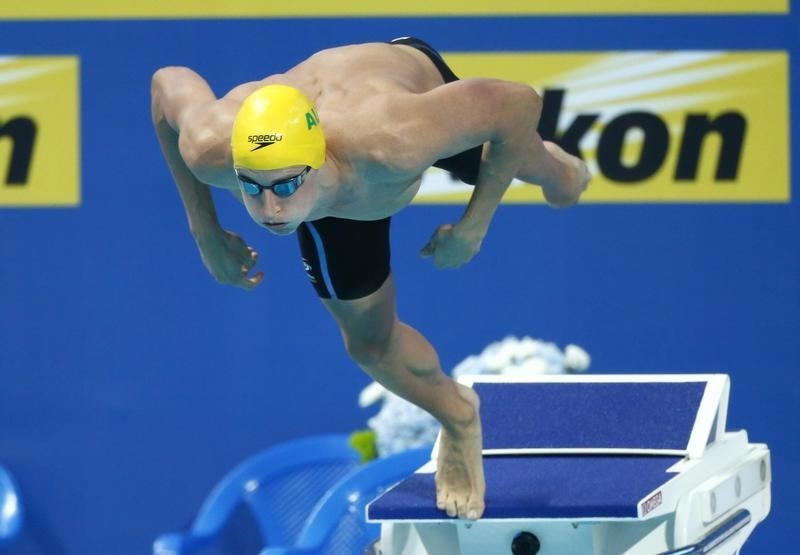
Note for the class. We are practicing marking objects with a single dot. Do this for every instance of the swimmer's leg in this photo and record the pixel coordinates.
(562, 176)
(403, 361)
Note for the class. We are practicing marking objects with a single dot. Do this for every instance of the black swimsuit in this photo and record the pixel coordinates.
(349, 259)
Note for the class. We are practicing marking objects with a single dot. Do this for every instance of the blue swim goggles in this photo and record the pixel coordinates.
(283, 188)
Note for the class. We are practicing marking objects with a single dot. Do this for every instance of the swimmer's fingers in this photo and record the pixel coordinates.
(246, 282)
(430, 249)
(229, 259)
(250, 283)
(450, 248)
(250, 259)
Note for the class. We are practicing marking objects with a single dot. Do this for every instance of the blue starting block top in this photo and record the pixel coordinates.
(541, 486)
(579, 447)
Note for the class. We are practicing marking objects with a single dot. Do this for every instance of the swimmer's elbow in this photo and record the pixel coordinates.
(507, 107)
(162, 81)
(158, 80)
(175, 88)
(531, 100)
(157, 96)
(169, 76)
(523, 105)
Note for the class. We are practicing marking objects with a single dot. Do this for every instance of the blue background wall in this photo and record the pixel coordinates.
(130, 381)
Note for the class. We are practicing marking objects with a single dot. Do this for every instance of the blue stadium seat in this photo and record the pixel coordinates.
(10, 509)
(280, 486)
(338, 523)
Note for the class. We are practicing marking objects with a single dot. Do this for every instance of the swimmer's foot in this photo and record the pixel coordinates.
(460, 485)
(575, 177)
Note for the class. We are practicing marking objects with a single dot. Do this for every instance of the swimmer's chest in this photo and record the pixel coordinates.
(374, 197)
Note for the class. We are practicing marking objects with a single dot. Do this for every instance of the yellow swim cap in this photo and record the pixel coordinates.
(277, 127)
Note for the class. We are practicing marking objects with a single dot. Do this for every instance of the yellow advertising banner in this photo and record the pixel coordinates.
(149, 9)
(678, 126)
(39, 139)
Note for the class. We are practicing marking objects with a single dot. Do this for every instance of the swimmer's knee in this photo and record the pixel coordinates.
(369, 346)
(367, 352)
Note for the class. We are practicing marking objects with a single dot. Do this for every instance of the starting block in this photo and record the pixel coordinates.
(602, 464)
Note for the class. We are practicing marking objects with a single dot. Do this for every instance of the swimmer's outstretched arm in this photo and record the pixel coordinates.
(181, 99)
(511, 127)
(458, 116)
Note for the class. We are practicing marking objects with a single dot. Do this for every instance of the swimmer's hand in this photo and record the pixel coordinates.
(229, 258)
(450, 247)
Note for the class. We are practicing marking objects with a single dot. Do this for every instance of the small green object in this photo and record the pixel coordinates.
(363, 441)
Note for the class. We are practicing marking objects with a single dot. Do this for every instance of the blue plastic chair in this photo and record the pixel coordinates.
(280, 486)
(10, 509)
(338, 524)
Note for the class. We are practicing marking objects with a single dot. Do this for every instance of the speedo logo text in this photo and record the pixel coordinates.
(260, 141)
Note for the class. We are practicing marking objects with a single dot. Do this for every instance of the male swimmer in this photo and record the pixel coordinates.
(331, 149)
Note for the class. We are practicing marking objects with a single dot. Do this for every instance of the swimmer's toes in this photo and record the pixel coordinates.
(475, 509)
(451, 507)
(440, 497)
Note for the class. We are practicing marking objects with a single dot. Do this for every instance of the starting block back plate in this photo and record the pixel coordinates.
(640, 416)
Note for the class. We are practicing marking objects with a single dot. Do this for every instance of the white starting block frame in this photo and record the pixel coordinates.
(681, 483)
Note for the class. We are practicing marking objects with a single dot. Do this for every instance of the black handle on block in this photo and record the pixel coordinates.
(525, 543)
